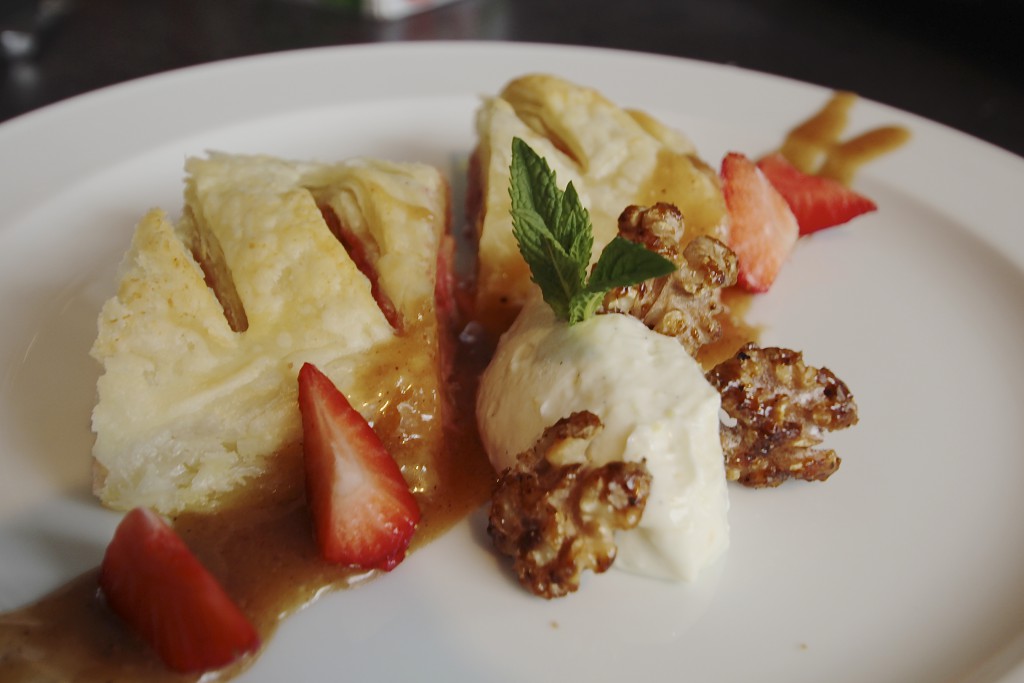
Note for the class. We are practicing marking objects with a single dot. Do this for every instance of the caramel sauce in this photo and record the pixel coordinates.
(260, 544)
(807, 142)
(692, 186)
(845, 158)
(736, 331)
(814, 146)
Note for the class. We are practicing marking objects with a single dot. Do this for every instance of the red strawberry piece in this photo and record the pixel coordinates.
(763, 229)
(363, 512)
(154, 583)
(817, 202)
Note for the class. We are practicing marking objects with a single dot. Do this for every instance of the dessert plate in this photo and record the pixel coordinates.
(905, 566)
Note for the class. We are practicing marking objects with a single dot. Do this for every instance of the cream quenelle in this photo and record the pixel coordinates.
(656, 406)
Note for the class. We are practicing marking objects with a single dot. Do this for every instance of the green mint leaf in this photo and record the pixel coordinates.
(533, 187)
(556, 238)
(552, 229)
(583, 306)
(624, 263)
(575, 232)
(557, 275)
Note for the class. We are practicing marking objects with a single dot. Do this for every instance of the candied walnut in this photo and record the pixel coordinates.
(556, 515)
(685, 304)
(660, 228)
(782, 409)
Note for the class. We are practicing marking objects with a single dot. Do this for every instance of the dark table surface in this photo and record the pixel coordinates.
(958, 62)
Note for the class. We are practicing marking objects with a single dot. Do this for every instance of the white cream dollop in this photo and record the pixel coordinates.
(656, 406)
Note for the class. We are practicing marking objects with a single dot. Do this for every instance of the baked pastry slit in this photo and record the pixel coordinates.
(208, 253)
(359, 253)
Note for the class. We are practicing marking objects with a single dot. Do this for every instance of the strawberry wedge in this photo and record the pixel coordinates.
(153, 582)
(763, 228)
(363, 513)
(817, 202)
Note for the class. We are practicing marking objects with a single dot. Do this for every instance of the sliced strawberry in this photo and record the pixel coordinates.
(817, 202)
(154, 583)
(363, 512)
(763, 229)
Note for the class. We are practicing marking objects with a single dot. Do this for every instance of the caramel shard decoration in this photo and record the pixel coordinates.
(215, 314)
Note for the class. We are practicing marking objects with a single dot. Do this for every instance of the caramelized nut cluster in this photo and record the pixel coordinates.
(782, 409)
(685, 304)
(556, 515)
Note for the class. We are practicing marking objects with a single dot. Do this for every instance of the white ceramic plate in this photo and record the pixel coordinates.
(907, 566)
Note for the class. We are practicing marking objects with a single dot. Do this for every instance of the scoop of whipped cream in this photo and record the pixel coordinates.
(656, 406)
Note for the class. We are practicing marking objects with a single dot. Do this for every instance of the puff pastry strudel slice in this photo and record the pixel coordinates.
(273, 263)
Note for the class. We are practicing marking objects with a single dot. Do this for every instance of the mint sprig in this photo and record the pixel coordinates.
(556, 237)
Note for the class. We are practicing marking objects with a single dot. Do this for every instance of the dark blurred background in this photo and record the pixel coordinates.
(955, 61)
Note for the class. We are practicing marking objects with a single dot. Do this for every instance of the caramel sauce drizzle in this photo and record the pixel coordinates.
(814, 146)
